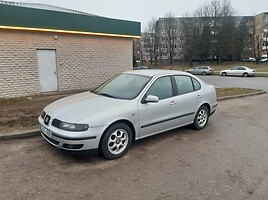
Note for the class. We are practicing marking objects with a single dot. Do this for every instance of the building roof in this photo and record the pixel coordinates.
(44, 7)
(43, 17)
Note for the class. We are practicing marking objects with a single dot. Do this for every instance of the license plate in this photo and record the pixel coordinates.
(45, 131)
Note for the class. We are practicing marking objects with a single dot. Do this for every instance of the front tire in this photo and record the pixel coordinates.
(201, 118)
(224, 74)
(116, 141)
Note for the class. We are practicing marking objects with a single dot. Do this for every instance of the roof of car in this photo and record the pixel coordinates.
(157, 72)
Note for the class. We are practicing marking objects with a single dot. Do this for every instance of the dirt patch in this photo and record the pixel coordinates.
(22, 114)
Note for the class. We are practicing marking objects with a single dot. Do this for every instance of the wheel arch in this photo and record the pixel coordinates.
(246, 74)
(123, 121)
(207, 105)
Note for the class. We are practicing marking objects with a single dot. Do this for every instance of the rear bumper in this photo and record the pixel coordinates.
(213, 110)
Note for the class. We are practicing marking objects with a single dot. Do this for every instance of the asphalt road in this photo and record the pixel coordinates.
(227, 160)
(241, 82)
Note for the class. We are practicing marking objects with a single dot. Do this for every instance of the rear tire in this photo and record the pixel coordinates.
(201, 118)
(116, 141)
(245, 74)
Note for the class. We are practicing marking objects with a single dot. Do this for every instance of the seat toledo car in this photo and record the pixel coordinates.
(131, 106)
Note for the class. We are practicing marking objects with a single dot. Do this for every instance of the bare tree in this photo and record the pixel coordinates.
(152, 33)
(241, 41)
(257, 46)
(191, 41)
(170, 31)
(205, 43)
(218, 20)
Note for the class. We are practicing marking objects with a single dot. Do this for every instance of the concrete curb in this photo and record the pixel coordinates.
(240, 96)
(15, 135)
(36, 132)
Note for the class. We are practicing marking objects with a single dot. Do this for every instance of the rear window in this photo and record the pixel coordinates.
(186, 84)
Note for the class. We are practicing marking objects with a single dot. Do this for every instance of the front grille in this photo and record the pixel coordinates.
(47, 119)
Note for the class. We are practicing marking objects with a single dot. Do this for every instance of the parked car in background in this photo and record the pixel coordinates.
(201, 70)
(238, 71)
(131, 106)
(248, 59)
(263, 60)
(141, 67)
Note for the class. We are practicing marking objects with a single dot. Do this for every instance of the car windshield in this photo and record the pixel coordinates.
(123, 86)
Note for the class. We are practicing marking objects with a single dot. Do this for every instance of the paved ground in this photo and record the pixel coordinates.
(227, 160)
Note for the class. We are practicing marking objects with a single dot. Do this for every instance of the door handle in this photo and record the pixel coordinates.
(198, 97)
(172, 103)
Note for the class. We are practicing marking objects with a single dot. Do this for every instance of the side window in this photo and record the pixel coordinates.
(161, 88)
(197, 85)
(184, 84)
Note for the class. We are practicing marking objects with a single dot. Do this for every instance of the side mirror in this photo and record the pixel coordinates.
(151, 99)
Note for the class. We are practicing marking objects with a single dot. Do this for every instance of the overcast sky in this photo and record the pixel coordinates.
(144, 10)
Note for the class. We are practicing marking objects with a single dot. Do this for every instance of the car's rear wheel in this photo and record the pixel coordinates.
(224, 74)
(116, 141)
(201, 118)
(245, 74)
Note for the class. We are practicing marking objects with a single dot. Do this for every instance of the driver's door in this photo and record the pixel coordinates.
(156, 117)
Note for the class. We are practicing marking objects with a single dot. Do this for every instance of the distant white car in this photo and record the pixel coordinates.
(131, 106)
(263, 60)
(238, 71)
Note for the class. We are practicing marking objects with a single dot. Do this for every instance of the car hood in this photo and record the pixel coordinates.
(77, 107)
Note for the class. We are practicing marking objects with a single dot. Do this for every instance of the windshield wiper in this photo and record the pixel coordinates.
(106, 95)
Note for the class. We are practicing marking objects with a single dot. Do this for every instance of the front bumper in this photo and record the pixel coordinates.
(71, 141)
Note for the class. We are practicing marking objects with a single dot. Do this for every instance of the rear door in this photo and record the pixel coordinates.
(234, 71)
(241, 71)
(189, 98)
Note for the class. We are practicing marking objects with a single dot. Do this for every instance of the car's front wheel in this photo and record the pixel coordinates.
(224, 74)
(201, 118)
(116, 141)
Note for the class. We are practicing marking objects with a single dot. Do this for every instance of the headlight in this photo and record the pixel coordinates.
(69, 126)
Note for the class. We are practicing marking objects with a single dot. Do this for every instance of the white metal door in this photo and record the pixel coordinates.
(47, 70)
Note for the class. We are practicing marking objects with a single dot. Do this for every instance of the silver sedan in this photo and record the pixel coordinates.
(201, 70)
(131, 106)
(238, 71)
